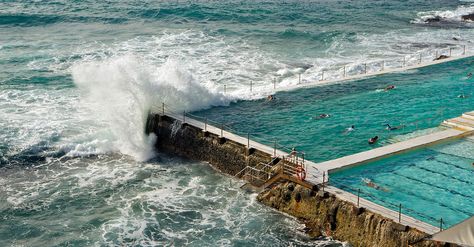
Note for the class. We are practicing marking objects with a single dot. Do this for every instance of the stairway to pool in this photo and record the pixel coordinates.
(465, 122)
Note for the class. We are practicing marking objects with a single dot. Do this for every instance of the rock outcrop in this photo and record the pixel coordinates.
(325, 214)
(468, 17)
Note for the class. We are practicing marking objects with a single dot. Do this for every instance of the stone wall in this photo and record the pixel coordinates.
(325, 214)
(188, 141)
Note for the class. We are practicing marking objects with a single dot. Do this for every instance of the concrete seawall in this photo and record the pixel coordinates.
(322, 212)
(193, 143)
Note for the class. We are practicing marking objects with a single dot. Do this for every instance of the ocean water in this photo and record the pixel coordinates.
(77, 79)
(431, 184)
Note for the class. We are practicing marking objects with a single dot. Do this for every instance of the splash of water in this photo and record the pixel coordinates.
(120, 91)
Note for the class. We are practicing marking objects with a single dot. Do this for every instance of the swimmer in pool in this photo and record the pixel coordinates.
(390, 87)
(349, 130)
(321, 116)
(371, 184)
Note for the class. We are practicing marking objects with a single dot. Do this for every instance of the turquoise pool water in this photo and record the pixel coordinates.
(430, 183)
(422, 99)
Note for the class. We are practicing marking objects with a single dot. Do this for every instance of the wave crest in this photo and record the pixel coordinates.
(462, 14)
(120, 91)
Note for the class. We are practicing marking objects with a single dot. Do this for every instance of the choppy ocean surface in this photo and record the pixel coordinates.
(77, 79)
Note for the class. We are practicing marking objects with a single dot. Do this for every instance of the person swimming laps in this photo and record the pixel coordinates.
(371, 184)
(349, 130)
(373, 140)
(389, 127)
(321, 116)
(389, 87)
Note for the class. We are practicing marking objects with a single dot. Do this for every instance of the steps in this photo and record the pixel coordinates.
(465, 122)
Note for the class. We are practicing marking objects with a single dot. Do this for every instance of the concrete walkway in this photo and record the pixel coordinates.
(381, 152)
(369, 74)
(378, 209)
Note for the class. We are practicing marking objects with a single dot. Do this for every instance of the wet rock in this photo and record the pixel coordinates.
(468, 17)
(441, 57)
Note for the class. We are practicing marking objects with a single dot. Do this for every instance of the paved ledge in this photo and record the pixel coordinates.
(381, 152)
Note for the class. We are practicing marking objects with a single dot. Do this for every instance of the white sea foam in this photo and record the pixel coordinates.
(445, 15)
(120, 91)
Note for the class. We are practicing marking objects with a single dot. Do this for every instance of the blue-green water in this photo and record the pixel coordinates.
(77, 79)
(431, 183)
(422, 99)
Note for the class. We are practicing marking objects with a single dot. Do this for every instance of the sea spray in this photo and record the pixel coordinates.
(121, 90)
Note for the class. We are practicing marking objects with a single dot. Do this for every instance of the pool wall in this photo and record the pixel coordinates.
(326, 214)
(322, 212)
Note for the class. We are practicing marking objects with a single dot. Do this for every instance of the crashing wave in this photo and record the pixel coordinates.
(462, 14)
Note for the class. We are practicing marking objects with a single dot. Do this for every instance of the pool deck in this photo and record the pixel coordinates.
(381, 152)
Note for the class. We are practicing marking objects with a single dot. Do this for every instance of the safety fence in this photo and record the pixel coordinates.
(357, 70)
(399, 207)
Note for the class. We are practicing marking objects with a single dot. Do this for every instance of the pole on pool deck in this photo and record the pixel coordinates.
(450, 51)
(344, 75)
(299, 78)
(163, 107)
(404, 61)
(420, 58)
(222, 130)
(274, 83)
(205, 125)
(436, 56)
(248, 140)
(358, 197)
(365, 68)
(184, 116)
(441, 224)
(225, 88)
(464, 50)
(383, 65)
(251, 84)
(324, 178)
(322, 75)
(400, 213)
(274, 148)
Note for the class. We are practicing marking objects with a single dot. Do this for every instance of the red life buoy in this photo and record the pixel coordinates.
(300, 173)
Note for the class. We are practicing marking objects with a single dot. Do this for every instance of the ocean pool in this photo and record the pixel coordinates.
(422, 99)
(430, 183)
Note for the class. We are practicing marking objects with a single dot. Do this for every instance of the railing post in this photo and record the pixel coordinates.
(225, 88)
(420, 58)
(450, 51)
(324, 178)
(163, 108)
(436, 56)
(222, 130)
(404, 61)
(400, 213)
(274, 148)
(251, 84)
(441, 224)
(274, 83)
(322, 75)
(205, 125)
(464, 50)
(365, 68)
(358, 197)
(184, 116)
(344, 75)
(299, 78)
(383, 65)
(248, 140)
